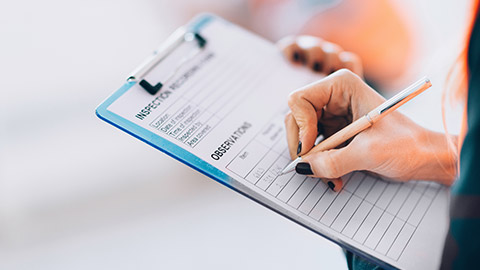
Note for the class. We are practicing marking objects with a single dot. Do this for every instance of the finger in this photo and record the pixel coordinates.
(305, 117)
(307, 104)
(333, 91)
(292, 135)
(312, 50)
(334, 94)
(332, 61)
(291, 50)
(352, 62)
(335, 184)
(332, 164)
(315, 58)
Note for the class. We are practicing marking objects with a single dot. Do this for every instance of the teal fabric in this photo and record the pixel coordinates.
(357, 263)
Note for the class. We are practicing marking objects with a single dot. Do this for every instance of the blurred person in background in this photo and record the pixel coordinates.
(396, 148)
(373, 29)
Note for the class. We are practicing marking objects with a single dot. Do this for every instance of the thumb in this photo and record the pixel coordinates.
(333, 164)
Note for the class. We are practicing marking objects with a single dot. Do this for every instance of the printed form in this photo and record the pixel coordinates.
(226, 105)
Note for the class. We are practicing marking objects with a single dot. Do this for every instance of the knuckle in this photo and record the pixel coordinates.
(346, 74)
(348, 77)
(316, 50)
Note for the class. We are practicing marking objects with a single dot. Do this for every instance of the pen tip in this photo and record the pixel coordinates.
(290, 167)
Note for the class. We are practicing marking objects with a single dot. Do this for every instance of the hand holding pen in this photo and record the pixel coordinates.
(394, 147)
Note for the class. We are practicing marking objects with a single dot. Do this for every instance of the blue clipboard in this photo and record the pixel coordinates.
(182, 155)
(151, 138)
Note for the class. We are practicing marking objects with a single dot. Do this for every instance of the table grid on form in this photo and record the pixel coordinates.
(378, 214)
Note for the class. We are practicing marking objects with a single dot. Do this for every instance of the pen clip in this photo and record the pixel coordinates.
(174, 41)
(405, 95)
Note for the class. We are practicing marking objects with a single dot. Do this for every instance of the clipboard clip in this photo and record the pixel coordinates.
(179, 37)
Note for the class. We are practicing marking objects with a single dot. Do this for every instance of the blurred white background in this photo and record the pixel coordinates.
(76, 193)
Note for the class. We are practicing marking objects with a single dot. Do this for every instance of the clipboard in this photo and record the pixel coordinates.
(191, 45)
(183, 34)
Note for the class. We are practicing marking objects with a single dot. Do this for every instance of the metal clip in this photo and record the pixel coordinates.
(176, 39)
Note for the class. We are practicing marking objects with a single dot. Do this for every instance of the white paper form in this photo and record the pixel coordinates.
(227, 105)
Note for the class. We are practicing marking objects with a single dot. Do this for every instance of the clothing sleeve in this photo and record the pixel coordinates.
(463, 240)
(355, 262)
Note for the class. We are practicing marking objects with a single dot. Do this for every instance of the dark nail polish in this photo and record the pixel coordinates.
(331, 185)
(299, 148)
(296, 57)
(317, 66)
(303, 168)
(331, 71)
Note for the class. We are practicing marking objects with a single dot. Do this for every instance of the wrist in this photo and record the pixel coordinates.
(438, 155)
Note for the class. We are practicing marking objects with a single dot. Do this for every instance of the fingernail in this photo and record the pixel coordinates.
(331, 185)
(317, 66)
(299, 148)
(296, 57)
(303, 168)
